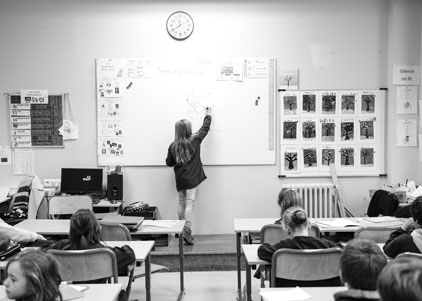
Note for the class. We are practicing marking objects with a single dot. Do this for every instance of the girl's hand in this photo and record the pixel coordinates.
(409, 224)
(40, 237)
(208, 110)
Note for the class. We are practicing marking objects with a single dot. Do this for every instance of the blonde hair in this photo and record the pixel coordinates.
(181, 144)
(295, 217)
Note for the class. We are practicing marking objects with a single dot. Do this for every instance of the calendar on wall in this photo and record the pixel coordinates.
(36, 124)
(344, 128)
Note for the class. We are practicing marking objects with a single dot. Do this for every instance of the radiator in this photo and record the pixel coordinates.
(318, 198)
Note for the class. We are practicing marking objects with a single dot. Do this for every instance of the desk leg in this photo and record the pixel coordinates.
(181, 256)
(248, 282)
(239, 276)
(148, 277)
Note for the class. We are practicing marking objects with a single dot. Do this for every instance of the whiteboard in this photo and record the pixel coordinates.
(341, 127)
(139, 101)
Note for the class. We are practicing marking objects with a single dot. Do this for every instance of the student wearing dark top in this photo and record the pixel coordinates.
(85, 234)
(409, 237)
(360, 264)
(184, 153)
(296, 223)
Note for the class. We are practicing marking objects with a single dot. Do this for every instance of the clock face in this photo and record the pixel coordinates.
(180, 25)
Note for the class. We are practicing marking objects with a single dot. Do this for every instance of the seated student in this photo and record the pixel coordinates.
(33, 276)
(296, 223)
(401, 279)
(360, 264)
(288, 198)
(409, 237)
(85, 234)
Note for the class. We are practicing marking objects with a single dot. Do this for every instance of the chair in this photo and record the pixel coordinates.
(376, 234)
(273, 233)
(87, 265)
(318, 267)
(410, 255)
(119, 232)
(60, 206)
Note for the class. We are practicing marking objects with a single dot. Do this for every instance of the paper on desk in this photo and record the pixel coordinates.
(416, 193)
(286, 295)
(159, 223)
(382, 219)
(338, 222)
(4, 191)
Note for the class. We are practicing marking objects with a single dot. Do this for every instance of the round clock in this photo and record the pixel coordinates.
(180, 25)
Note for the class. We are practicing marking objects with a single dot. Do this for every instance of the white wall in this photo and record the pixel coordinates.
(336, 44)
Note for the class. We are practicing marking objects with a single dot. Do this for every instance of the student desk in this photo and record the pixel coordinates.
(61, 227)
(103, 292)
(254, 225)
(251, 258)
(317, 293)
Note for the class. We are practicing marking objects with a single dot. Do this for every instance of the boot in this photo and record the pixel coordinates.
(187, 236)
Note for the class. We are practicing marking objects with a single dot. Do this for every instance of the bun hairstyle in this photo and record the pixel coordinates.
(295, 217)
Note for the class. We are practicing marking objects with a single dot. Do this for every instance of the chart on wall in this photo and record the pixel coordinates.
(35, 124)
(344, 128)
(140, 100)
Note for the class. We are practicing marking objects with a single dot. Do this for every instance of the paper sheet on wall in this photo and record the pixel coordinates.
(406, 132)
(406, 75)
(406, 99)
(23, 161)
(5, 155)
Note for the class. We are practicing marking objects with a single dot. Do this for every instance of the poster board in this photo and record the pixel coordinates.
(36, 125)
(140, 100)
(346, 128)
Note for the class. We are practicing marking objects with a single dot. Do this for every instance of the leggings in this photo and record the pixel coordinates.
(186, 201)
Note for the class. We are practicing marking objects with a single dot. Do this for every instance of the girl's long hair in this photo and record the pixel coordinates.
(181, 144)
(42, 274)
(84, 230)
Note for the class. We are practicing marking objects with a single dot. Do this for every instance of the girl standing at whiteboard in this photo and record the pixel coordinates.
(184, 153)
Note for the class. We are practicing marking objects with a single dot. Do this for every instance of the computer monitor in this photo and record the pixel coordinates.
(82, 181)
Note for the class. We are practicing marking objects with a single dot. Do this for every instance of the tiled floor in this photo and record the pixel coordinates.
(199, 286)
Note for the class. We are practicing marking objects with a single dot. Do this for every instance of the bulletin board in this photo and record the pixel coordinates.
(140, 100)
(36, 125)
(345, 128)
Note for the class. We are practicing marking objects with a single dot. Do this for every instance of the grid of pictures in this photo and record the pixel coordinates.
(319, 128)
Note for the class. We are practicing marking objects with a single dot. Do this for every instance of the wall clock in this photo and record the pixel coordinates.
(180, 25)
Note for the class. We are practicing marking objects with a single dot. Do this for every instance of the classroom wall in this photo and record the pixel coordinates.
(336, 44)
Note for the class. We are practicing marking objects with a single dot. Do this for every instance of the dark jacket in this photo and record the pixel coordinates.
(266, 251)
(383, 202)
(356, 295)
(400, 241)
(190, 174)
(125, 255)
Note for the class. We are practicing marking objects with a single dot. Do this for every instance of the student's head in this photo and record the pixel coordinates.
(295, 220)
(84, 230)
(360, 264)
(401, 279)
(33, 274)
(416, 210)
(288, 198)
(183, 129)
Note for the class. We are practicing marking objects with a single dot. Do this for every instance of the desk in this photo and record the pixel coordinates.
(317, 293)
(61, 227)
(142, 254)
(103, 292)
(251, 258)
(254, 225)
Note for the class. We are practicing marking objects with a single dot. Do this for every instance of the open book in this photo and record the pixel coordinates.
(382, 219)
(337, 223)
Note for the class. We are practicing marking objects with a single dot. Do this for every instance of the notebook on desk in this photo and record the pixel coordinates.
(131, 222)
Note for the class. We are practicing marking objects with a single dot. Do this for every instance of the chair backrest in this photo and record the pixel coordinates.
(19, 204)
(114, 232)
(87, 265)
(273, 233)
(410, 255)
(67, 205)
(376, 234)
(305, 265)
